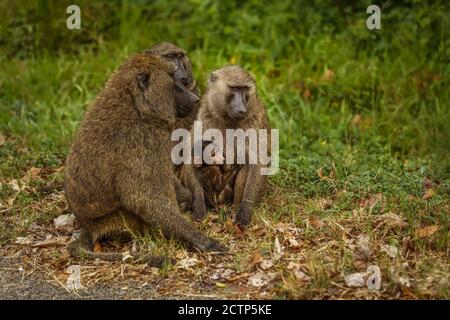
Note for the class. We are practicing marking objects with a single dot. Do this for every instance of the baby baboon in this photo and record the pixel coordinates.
(231, 102)
(183, 74)
(119, 165)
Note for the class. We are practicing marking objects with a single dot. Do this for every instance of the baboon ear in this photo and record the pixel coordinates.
(143, 80)
(213, 77)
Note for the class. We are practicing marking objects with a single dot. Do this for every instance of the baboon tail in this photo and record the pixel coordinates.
(78, 250)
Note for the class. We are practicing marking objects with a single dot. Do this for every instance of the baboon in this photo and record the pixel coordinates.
(183, 73)
(231, 102)
(119, 165)
(192, 198)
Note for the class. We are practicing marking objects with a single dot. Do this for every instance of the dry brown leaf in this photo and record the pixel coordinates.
(98, 247)
(426, 232)
(239, 231)
(64, 222)
(357, 120)
(328, 75)
(259, 280)
(315, 222)
(256, 259)
(320, 173)
(30, 175)
(428, 194)
(52, 242)
(238, 277)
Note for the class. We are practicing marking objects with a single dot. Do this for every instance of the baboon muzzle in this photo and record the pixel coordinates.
(184, 100)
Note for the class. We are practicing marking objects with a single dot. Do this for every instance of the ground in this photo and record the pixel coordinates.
(297, 247)
(360, 205)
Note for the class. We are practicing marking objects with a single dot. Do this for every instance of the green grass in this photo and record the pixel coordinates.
(372, 108)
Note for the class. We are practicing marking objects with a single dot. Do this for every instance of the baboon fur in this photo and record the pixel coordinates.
(119, 165)
(215, 112)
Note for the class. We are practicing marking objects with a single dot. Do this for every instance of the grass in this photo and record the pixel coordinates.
(363, 119)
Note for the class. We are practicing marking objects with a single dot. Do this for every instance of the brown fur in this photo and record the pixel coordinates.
(119, 163)
(164, 50)
(247, 183)
(187, 200)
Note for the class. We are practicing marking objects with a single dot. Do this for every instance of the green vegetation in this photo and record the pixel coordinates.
(364, 118)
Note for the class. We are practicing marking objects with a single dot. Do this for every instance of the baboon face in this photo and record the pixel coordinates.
(230, 91)
(184, 99)
(177, 56)
(155, 91)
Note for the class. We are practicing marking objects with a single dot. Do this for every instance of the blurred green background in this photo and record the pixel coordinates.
(338, 92)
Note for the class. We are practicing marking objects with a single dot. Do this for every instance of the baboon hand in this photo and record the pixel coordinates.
(211, 245)
(243, 217)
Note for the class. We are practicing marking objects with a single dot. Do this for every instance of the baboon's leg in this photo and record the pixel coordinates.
(163, 212)
(198, 199)
(248, 186)
(83, 246)
(184, 196)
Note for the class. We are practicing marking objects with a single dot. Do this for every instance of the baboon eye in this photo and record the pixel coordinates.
(143, 79)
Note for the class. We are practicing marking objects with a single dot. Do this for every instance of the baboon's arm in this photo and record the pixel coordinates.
(189, 179)
(248, 186)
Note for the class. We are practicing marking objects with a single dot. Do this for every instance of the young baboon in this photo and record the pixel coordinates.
(119, 165)
(231, 102)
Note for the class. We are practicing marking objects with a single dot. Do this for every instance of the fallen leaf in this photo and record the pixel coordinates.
(266, 264)
(14, 184)
(256, 259)
(426, 232)
(294, 244)
(31, 174)
(371, 278)
(222, 274)
(301, 276)
(392, 220)
(259, 280)
(315, 222)
(355, 280)
(64, 222)
(24, 240)
(97, 246)
(239, 231)
(357, 119)
(238, 277)
(187, 262)
(52, 242)
(363, 246)
(391, 251)
(428, 194)
(220, 285)
(126, 256)
(328, 75)
(278, 250)
(293, 265)
(320, 173)
(2, 140)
